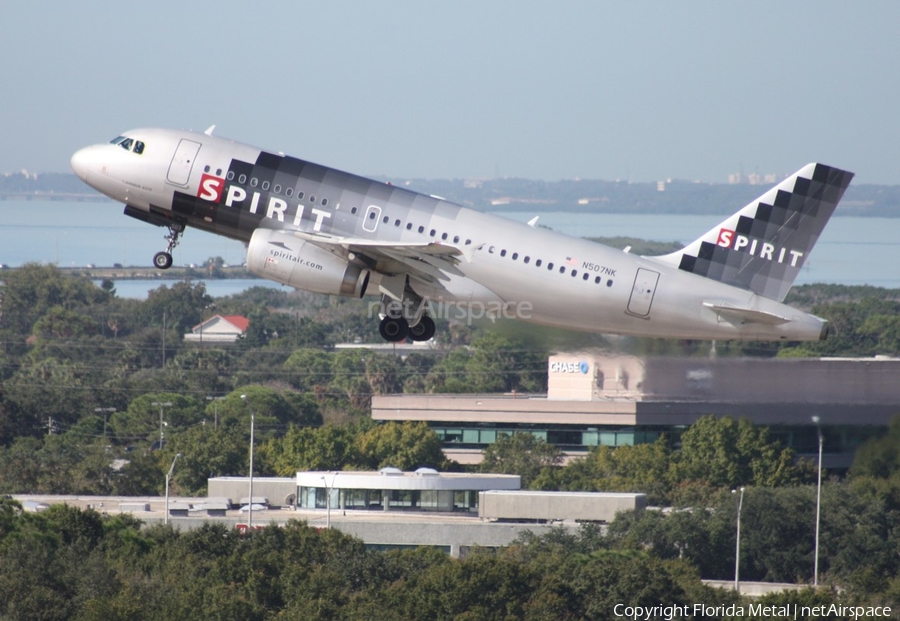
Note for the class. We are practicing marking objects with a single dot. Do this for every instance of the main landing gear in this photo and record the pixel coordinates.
(163, 260)
(396, 329)
(405, 319)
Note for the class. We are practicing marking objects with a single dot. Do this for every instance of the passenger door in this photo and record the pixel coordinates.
(182, 162)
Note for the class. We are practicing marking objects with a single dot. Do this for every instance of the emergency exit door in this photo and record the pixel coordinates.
(642, 292)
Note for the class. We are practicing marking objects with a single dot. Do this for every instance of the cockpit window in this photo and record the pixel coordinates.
(129, 144)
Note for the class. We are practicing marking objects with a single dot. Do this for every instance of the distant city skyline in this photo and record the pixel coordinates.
(644, 93)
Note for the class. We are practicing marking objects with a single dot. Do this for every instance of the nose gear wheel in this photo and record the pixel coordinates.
(163, 260)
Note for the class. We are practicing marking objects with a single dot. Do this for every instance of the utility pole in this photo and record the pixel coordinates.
(106, 413)
(161, 405)
(164, 341)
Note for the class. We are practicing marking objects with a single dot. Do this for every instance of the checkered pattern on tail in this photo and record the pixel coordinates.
(763, 246)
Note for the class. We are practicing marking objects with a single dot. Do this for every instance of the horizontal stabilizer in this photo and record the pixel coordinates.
(735, 314)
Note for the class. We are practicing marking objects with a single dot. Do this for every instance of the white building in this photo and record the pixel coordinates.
(219, 330)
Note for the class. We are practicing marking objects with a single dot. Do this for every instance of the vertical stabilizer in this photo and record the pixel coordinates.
(763, 246)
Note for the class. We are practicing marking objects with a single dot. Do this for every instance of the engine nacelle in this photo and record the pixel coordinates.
(282, 257)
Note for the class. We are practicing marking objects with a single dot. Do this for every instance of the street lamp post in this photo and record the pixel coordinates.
(328, 498)
(250, 504)
(161, 405)
(169, 476)
(737, 547)
(817, 421)
(215, 401)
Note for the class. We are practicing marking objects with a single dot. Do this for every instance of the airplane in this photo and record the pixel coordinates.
(323, 230)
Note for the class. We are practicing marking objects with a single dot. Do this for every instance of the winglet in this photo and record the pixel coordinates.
(763, 246)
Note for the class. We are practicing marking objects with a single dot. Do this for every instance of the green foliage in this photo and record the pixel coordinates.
(33, 290)
(715, 453)
(331, 447)
(879, 457)
(495, 363)
(359, 446)
(520, 453)
(154, 414)
(725, 453)
(638, 468)
(406, 445)
(72, 564)
(178, 308)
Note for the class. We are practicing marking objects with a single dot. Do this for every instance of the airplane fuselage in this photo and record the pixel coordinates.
(507, 267)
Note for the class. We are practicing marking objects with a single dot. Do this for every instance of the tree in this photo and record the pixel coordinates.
(637, 468)
(33, 289)
(179, 307)
(207, 453)
(310, 370)
(406, 445)
(725, 453)
(879, 457)
(147, 418)
(520, 453)
(331, 447)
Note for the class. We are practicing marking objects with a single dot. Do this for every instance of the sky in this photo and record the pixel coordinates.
(638, 91)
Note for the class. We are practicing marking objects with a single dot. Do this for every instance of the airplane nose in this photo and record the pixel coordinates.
(80, 162)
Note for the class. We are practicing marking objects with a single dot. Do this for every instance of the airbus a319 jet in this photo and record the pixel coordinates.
(323, 230)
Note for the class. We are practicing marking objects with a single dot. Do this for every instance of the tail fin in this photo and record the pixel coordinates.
(763, 246)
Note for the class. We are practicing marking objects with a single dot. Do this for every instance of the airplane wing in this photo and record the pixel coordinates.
(430, 262)
(738, 315)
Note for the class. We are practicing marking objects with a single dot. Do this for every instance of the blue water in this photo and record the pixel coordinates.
(851, 250)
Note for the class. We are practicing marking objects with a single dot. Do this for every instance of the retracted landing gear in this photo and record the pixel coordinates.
(163, 260)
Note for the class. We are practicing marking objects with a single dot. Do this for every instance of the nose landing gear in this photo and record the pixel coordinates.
(163, 260)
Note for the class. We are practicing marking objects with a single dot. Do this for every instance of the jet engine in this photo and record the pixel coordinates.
(282, 257)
